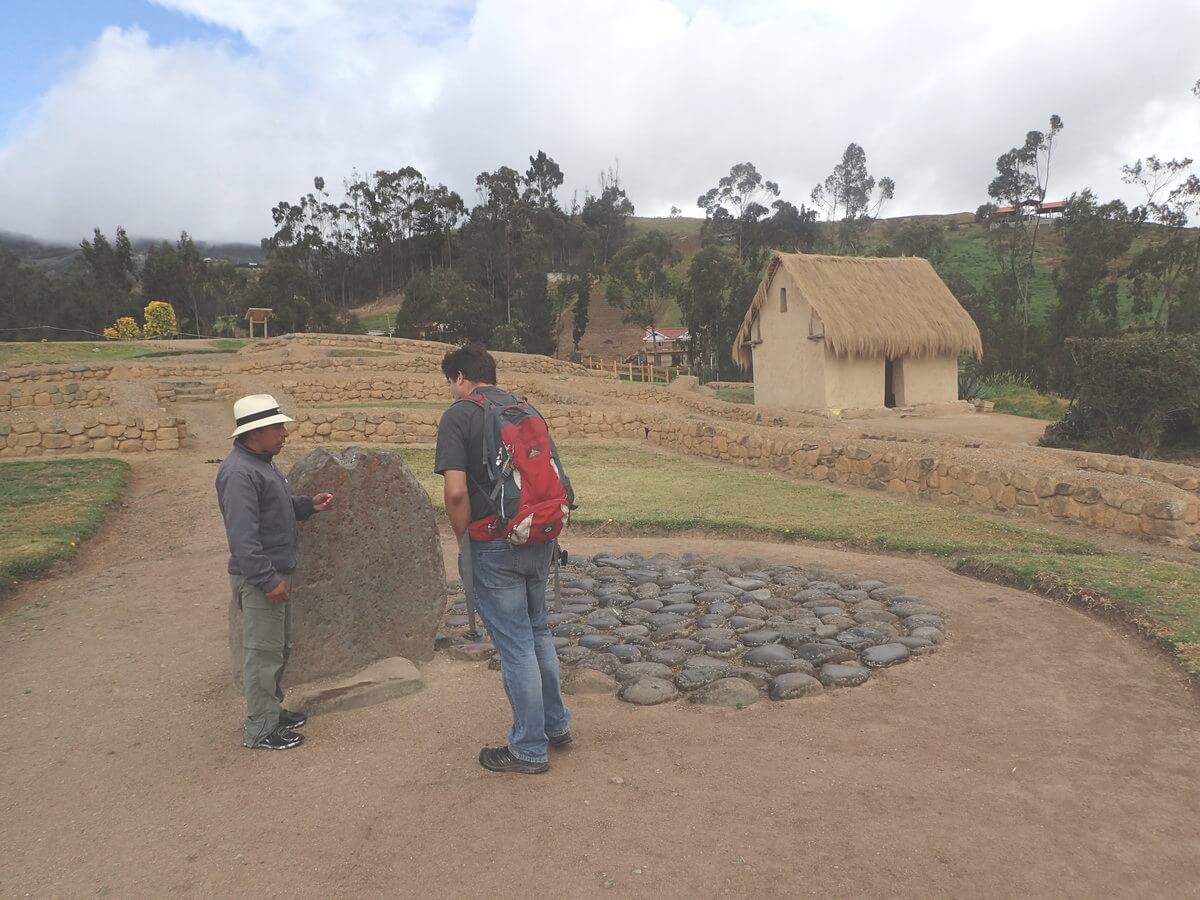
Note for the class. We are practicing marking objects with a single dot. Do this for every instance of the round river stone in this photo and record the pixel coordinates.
(735, 692)
(838, 675)
(792, 686)
(758, 637)
(885, 655)
(764, 656)
(647, 691)
(819, 654)
(723, 630)
(633, 670)
(597, 641)
(625, 653)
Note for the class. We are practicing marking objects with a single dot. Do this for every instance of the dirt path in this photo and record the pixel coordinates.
(1040, 753)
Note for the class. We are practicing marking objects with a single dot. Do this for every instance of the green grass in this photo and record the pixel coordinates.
(379, 322)
(47, 507)
(641, 488)
(1020, 400)
(26, 353)
(971, 257)
(736, 394)
(625, 486)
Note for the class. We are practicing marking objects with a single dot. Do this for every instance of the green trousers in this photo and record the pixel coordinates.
(266, 643)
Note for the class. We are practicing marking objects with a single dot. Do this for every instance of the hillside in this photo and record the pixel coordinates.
(51, 256)
(967, 253)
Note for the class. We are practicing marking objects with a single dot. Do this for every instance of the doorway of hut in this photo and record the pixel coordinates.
(889, 383)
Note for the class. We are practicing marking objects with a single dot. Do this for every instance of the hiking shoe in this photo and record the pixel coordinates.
(499, 759)
(290, 719)
(279, 739)
(560, 740)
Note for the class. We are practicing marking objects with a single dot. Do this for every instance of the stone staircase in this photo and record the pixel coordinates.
(179, 391)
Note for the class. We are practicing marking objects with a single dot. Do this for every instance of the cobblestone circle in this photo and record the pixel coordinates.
(653, 629)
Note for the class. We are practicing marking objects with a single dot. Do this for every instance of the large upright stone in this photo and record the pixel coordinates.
(370, 582)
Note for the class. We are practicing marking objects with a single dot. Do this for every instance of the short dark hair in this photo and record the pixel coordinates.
(474, 363)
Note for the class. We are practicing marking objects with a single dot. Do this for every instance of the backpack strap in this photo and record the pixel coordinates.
(482, 529)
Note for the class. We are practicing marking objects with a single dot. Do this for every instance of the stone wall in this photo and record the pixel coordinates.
(395, 426)
(52, 395)
(417, 386)
(126, 434)
(170, 368)
(1186, 478)
(410, 355)
(49, 374)
(184, 391)
(1092, 499)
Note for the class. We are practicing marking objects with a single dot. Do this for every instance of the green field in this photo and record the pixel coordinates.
(972, 258)
(1022, 400)
(736, 394)
(624, 487)
(384, 322)
(47, 507)
(25, 353)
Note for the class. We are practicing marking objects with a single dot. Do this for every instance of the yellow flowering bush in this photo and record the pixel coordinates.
(125, 329)
(160, 323)
(160, 319)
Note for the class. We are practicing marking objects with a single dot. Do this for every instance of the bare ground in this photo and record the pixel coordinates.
(1041, 752)
(975, 427)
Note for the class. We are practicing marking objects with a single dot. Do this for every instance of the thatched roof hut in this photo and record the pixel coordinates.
(885, 307)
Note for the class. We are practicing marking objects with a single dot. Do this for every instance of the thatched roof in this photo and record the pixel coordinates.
(871, 307)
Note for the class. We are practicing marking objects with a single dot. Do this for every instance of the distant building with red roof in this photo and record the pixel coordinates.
(666, 346)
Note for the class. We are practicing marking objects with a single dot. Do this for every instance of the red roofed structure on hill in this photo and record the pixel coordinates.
(666, 346)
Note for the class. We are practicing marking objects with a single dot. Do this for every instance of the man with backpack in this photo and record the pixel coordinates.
(507, 498)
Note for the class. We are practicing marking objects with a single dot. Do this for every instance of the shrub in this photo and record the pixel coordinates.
(1135, 392)
(969, 381)
(125, 329)
(160, 319)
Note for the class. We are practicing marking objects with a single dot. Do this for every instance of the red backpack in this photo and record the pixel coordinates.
(530, 491)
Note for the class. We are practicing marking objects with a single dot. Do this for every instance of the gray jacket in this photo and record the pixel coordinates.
(260, 517)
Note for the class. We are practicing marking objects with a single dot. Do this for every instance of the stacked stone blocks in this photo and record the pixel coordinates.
(104, 433)
(874, 465)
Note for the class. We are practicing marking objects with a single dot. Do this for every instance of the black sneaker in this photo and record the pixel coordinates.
(499, 759)
(279, 739)
(560, 740)
(290, 719)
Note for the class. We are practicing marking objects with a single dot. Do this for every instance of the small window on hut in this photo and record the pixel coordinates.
(783, 299)
(816, 328)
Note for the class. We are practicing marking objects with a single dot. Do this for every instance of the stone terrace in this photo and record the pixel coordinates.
(372, 375)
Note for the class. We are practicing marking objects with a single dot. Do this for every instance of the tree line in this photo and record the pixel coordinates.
(1143, 259)
(512, 266)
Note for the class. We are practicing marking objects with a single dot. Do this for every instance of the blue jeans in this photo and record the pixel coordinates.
(510, 594)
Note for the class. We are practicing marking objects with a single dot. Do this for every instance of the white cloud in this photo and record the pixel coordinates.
(207, 137)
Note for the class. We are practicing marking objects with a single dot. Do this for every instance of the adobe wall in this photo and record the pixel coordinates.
(930, 379)
(789, 369)
(852, 381)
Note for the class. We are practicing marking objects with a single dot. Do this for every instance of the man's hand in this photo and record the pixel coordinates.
(279, 593)
(322, 501)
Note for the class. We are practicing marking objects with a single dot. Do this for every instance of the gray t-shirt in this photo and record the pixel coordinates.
(460, 446)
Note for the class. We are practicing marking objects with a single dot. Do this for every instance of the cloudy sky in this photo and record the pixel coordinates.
(202, 114)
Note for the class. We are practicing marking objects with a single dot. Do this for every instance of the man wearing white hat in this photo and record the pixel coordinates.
(260, 522)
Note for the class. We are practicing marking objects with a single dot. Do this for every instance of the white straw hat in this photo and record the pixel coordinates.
(256, 411)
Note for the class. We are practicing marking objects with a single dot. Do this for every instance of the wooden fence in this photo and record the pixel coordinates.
(631, 371)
